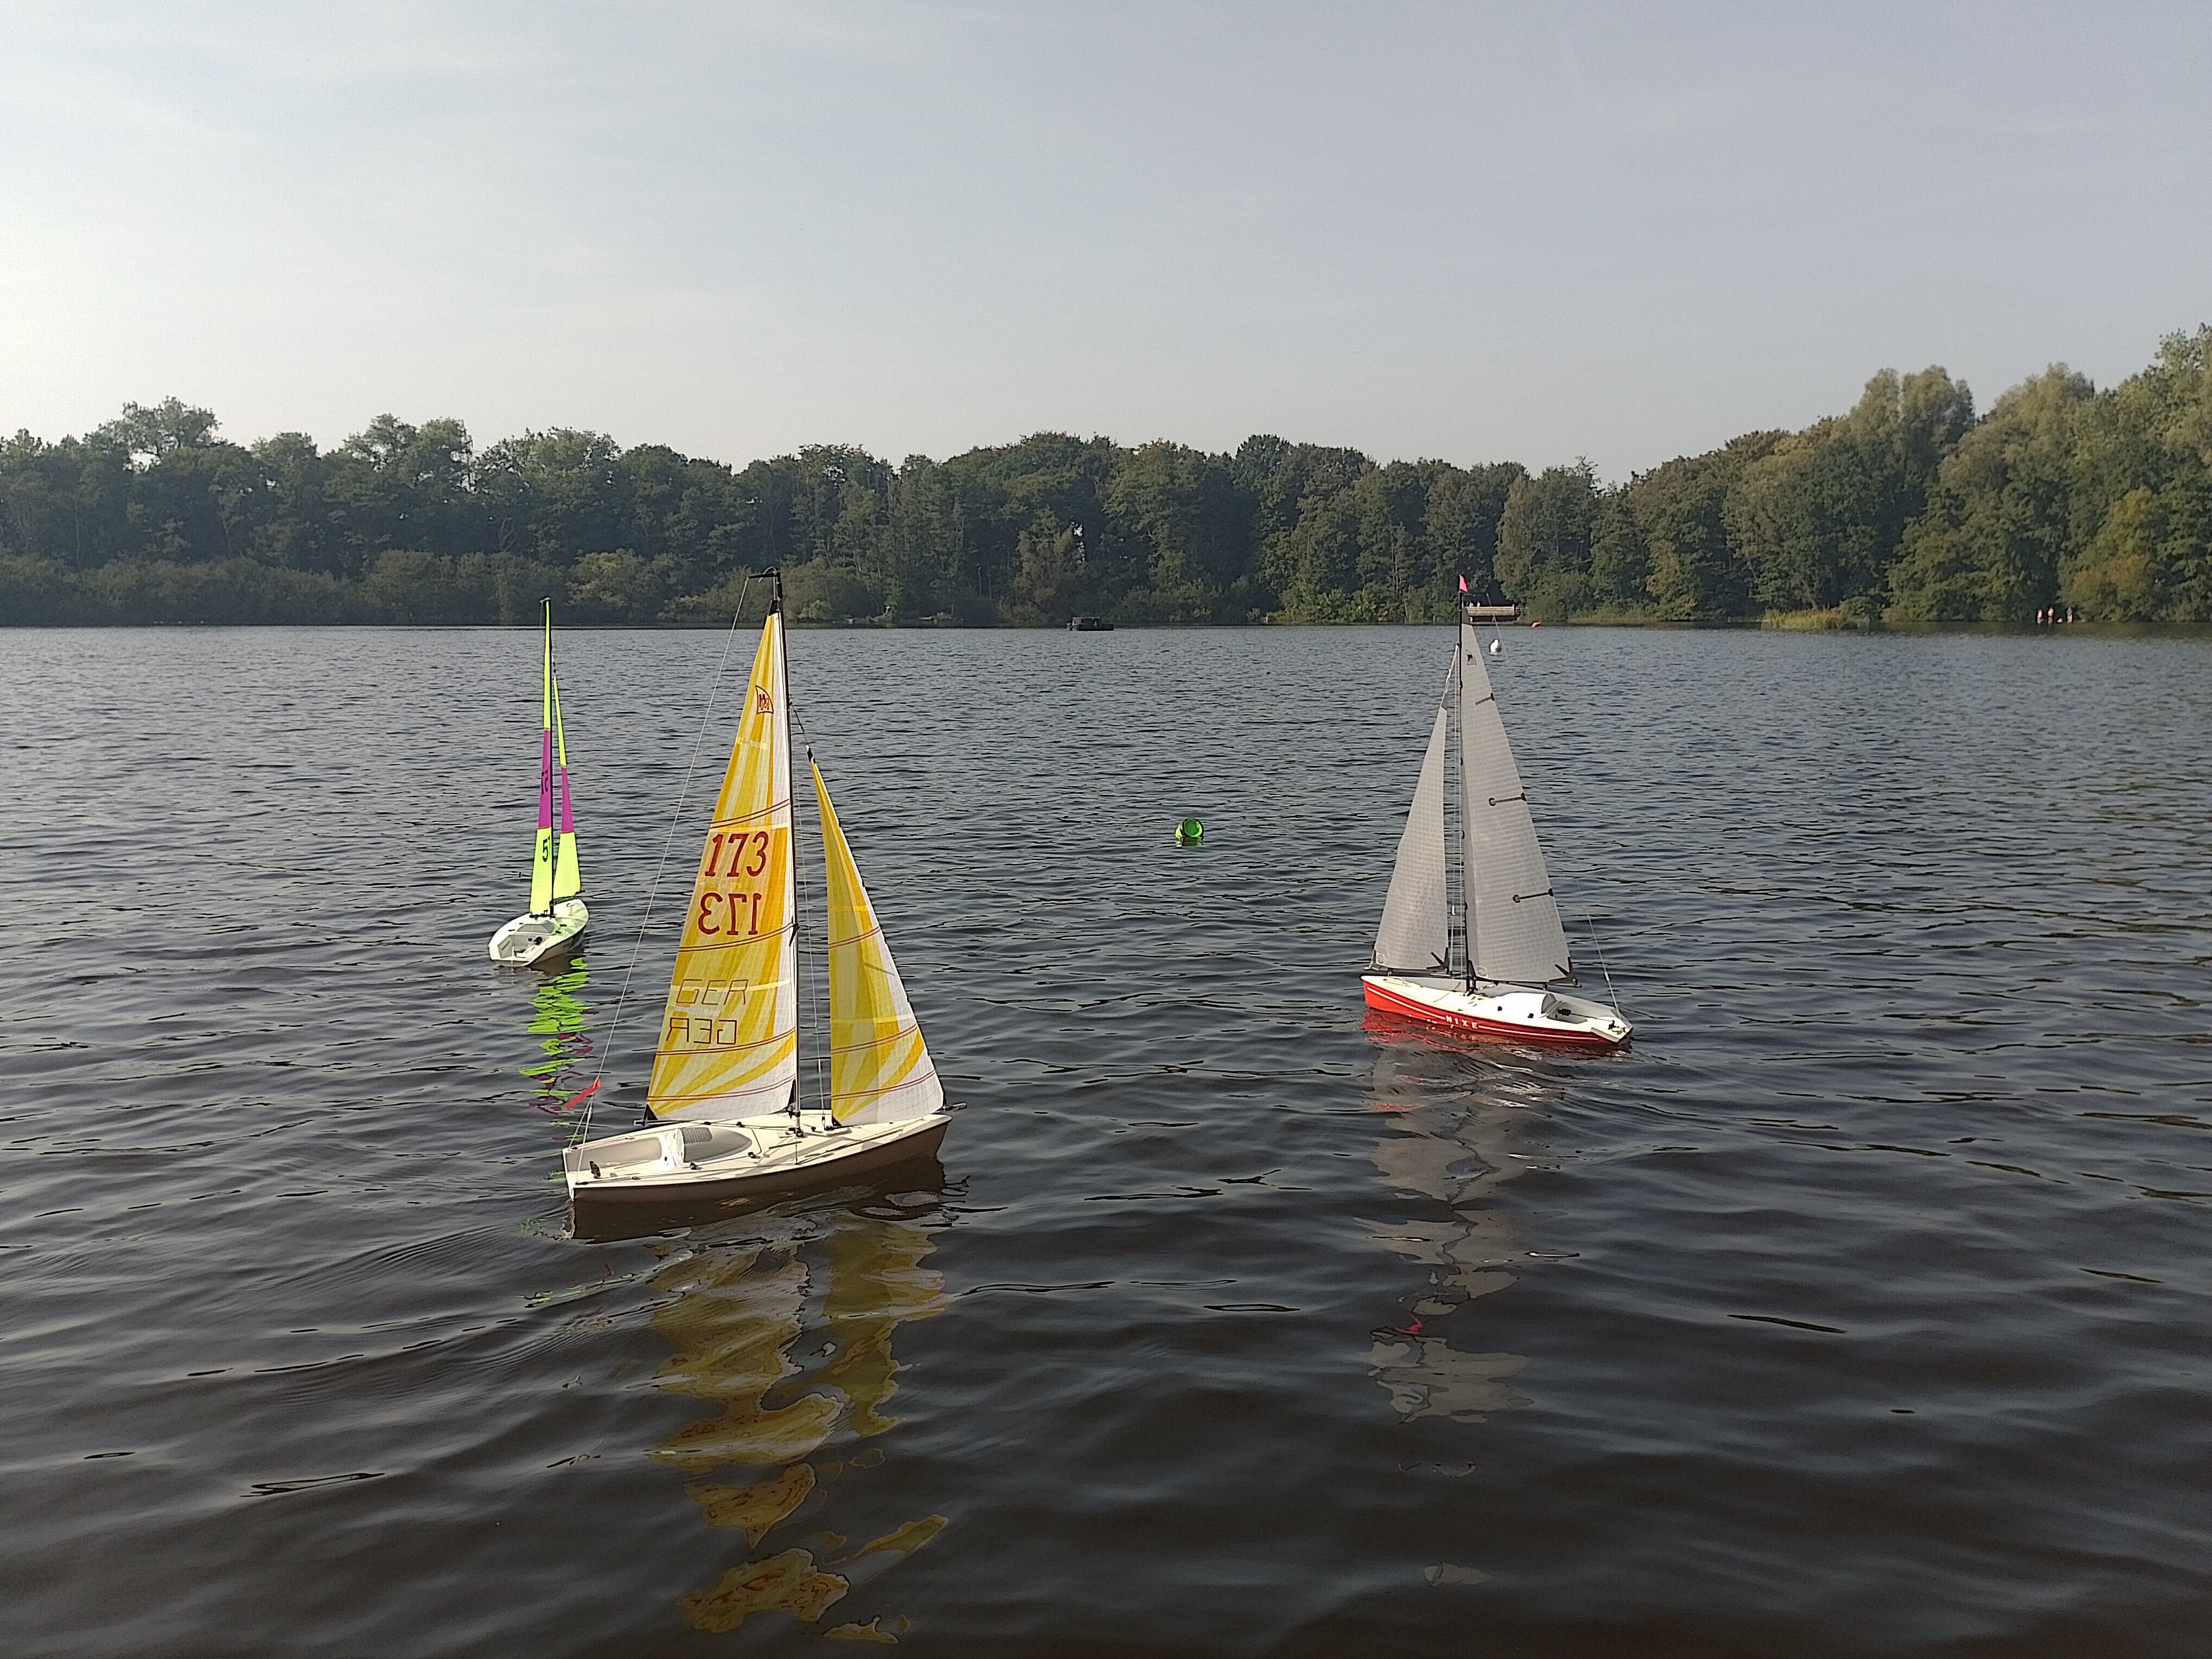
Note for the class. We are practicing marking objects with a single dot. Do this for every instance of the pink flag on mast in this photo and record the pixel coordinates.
(1462, 583)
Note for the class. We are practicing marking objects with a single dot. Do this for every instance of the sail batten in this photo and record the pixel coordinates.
(729, 1033)
(1415, 935)
(1513, 933)
(879, 1067)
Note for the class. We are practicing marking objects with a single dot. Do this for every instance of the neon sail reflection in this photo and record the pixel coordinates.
(558, 1015)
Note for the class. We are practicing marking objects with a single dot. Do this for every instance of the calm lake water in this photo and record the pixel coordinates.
(1858, 1310)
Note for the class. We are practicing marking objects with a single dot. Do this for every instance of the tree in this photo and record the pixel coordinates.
(1460, 523)
(1544, 541)
(396, 487)
(1988, 546)
(1695, 573)
(1184, 524)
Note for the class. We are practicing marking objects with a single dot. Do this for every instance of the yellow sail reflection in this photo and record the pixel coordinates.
(790, 1334)
(1457, 1124)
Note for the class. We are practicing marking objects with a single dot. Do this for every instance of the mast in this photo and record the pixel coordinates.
(1466, 866)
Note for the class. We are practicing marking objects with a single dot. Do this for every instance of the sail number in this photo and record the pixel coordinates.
(742, 911)
(741, 855)
(741, 845)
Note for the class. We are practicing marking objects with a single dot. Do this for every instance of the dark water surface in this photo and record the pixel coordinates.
(1859, 1309)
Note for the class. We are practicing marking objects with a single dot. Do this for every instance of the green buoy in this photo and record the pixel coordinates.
(1189, 833)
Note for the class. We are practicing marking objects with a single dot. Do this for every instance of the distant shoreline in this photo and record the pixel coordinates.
(1744, 624)
(1912, 510)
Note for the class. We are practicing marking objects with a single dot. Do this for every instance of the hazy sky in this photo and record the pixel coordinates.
(1474, 231)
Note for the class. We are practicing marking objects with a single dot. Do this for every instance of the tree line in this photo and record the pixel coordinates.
(1911, 509)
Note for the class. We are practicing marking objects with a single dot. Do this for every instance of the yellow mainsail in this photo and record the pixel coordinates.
(879, 1068)
(729, 1038)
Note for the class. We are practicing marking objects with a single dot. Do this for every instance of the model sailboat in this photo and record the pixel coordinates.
(1515, 955)
(558, 916)
(724, 1091)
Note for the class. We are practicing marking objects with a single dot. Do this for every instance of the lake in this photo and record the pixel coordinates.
(1857, 1309)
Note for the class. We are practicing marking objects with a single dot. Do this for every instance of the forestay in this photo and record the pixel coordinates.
(1415, 937)
(1514, 935)
(879, 1068)
(729, 1037)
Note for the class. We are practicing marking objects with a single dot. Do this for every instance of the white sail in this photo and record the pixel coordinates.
(1415, 937)
(1514, 935)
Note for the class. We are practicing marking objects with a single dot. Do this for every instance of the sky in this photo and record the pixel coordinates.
(1478, 232)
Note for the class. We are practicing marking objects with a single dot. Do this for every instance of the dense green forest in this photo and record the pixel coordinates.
(1910, 509)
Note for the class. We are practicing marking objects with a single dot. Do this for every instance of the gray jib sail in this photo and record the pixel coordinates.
(1513, 925)
(1415, 936)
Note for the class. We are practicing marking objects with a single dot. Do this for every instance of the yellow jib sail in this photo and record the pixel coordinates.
(541, 862)
(729, 1038)
(879, 1068)
(567, 874)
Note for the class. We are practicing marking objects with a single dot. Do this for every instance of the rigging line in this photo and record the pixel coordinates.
(667, 845)
(1590, 930)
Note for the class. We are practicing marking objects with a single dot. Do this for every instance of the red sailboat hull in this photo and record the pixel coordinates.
(1518, 1017)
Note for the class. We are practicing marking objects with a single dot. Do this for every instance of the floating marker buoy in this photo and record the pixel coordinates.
(1189, 833)
(1495, 647)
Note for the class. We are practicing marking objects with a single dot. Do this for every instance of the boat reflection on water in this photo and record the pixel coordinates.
(558, 1015)
(1458, 1120)
(784, 1327)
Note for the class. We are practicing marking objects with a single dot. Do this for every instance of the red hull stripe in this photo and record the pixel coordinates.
(1389, 1003)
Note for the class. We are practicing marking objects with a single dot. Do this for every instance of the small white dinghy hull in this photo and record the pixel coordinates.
(1545, 1016)
(741, 1158)
(528, 940)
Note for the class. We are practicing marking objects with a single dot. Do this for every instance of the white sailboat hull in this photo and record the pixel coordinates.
(1545, 1016)
(530, 939)
(746, 1156)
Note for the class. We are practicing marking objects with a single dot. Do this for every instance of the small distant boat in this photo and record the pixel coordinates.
(1089, 625)
(724, 1091)
(558, 916)
(1516, 956)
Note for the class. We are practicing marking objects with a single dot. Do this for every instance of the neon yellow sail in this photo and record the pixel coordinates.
(879, 1067)
(554, 871)
(567, 873)
(729, 1037)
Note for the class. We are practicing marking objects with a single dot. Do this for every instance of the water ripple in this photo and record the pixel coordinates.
(1853, 1312)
